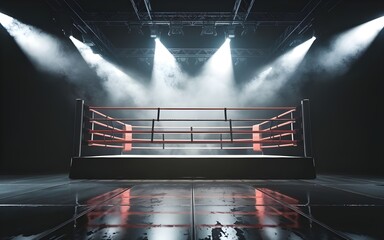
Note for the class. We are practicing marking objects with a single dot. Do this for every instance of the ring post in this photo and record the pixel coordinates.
(78, 133)
(306, 126)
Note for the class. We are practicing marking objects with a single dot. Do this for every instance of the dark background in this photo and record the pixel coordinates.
(37, 108)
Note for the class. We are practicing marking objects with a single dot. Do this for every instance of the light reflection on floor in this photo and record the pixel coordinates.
(54, 207)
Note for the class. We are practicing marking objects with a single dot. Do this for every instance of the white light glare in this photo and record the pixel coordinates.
(167, 77)
(213, 86)
(45, 51)
(216, 81)
(5, 20)
(350, 45)
(221, 61)
(120, 86)
(263, 87)
(295, 56)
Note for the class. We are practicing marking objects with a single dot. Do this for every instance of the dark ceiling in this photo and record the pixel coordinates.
(189, 28)
(121, 29)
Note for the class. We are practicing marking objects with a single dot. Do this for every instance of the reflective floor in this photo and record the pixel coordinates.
(55, 207)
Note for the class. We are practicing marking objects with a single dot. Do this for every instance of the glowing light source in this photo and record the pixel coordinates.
(221, 61)
(294, 57)
(6, 20)
(230, 32)
(154, 31)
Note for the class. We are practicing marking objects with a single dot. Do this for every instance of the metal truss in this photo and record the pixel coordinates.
(88, 29)
(87, 23)
(299, 32)
(193, 18)
(190, 52)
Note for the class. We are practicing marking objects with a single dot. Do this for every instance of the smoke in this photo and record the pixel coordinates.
(121, 88)
(347, 47)
(214, 85)
(264, 86)
(168, 85)
(46, 52)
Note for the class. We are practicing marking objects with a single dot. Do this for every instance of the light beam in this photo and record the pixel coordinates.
(349, 46)
(168, 80)
(45, 51)
(216, 80)
(264, 86)
(120, 87)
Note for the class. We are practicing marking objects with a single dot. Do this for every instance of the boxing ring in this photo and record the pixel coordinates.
(161, 143)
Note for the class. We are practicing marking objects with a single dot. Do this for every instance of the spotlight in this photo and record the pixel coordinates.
(87, 40)
(230, 32)
(380, 21)
(154, 31)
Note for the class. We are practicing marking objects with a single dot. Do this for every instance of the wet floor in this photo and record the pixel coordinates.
(55, 207)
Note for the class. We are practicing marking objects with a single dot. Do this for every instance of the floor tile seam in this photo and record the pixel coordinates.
(75, 217)
(34, 190)
(40, 205)
(361, 179)
(308, 217)
(20, 180)
(351, 181)
(351, 191)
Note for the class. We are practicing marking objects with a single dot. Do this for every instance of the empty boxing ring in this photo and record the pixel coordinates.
(197, 143)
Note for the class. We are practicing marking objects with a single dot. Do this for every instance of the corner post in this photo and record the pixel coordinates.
(306, 126)
(78, 133)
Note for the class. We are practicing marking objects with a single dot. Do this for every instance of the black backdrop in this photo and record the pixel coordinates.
(37, 108)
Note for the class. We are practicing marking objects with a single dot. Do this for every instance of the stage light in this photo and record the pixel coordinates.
(162, 53)
(154, 31)
(230, 32)
(294, 56)
(222, 58)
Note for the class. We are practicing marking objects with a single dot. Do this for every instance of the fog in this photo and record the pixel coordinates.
(213, 86)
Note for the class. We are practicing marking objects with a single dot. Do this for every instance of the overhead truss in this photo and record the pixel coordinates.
(190, 52)
(243, 15)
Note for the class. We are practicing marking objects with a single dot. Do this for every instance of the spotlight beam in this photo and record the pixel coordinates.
(263, 87)
(167, 77)
(120, 86)
(45, 51)
(349, 46)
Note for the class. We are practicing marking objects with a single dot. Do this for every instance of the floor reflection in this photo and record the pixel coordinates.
(192, 210)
